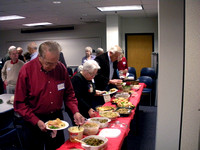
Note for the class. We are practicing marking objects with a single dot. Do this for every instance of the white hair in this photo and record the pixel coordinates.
(99, 50)
(115, 49)
(88, 48)
(11, 48)
(90, 66)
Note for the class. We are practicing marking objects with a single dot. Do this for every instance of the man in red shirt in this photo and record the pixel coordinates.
(42, 85)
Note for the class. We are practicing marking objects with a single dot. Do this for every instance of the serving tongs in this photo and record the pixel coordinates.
(85, 144)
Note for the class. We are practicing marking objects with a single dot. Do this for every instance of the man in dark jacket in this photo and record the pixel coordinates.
(107, 76)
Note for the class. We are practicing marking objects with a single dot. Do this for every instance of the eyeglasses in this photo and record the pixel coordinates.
(92, 74)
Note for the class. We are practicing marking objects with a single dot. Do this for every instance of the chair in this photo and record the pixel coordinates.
(149, 86)
(8, 132)
(70, 71)
(132, 72)
(148, 71)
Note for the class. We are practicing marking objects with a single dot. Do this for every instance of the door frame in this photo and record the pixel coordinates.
(126, 36)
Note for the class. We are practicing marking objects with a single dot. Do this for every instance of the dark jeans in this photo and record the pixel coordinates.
(34, 138)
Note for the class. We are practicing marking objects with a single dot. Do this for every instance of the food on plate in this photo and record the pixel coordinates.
(90, 128)
(125, 104)
(109, 114)
(55, 124)
(123, 111)
(93, 141)
(100, 120)
(119, 100)
(105, 108)
(113, 90)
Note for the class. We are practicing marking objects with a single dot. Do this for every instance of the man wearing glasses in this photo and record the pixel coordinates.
(43, 84)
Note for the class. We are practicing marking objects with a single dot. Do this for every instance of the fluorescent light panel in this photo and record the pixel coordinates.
(120, 8)
(37, 24)
(12, 17)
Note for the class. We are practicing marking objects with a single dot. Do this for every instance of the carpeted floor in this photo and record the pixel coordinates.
(143, 137)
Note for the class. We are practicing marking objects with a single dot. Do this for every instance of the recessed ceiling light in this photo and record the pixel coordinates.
(120, 8)
(12, 17)
(56, 2)
(37, 24)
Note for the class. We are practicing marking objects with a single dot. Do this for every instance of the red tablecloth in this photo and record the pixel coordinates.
(113, 143)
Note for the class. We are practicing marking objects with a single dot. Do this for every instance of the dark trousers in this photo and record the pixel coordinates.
(33, 138)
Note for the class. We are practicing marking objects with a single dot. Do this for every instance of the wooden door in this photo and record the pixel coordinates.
(139, 48)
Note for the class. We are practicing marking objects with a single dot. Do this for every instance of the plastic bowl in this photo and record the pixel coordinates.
(100, 147)
(101, 121)
(75, 132)
(90, 128)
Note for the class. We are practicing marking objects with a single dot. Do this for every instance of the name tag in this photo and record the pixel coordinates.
(8, 69)
(124, 63)
(106, 98)
(61, 86)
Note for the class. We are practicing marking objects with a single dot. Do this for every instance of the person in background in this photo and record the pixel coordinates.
(32, 49)
(88, 54)
(78, 69)
(62, 59)
(20, 51)
(43, 84)
(10, 70)
(122, 65)
(107, 76)
(27, 56)
(99, 51)
(85, 89)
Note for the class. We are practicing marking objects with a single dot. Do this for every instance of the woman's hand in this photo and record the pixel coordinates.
(99, 93)
(92, 113)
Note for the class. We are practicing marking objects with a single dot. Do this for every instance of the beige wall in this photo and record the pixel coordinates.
(191, 115)
(170, 76)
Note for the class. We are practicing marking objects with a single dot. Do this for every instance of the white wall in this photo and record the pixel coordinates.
(191, 115)
(127, 25)
(170, 76)
(94, 33)
(140, 25)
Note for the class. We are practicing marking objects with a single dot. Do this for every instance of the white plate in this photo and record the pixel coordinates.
(66, 125)
(108, 93)
(110, 133)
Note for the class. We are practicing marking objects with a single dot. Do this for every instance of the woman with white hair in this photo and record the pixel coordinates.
(88, 54)
(85, 89)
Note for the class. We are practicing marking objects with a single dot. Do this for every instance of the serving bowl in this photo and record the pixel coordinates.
(89, 140)
(102, 121)
(90, 128)
(109, 114)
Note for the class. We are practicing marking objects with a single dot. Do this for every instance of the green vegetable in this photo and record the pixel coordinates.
(53, 127)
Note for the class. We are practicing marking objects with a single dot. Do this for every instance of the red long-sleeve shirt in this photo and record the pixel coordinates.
(122, 64)
(40, 92)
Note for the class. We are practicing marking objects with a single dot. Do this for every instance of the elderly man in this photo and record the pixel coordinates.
(99, 51)
(20, 51)
(42, 86)
(10, 70)
(107, 76)
(32, 49)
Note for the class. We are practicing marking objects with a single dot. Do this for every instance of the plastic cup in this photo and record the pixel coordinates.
(75, 132)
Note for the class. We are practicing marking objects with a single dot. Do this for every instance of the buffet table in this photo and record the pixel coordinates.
(113, 143)
(5, 106)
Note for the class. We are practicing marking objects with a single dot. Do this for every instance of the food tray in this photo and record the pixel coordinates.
(124, 111)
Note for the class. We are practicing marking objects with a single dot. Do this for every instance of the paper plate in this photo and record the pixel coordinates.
(66, 125)
(110, 133)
